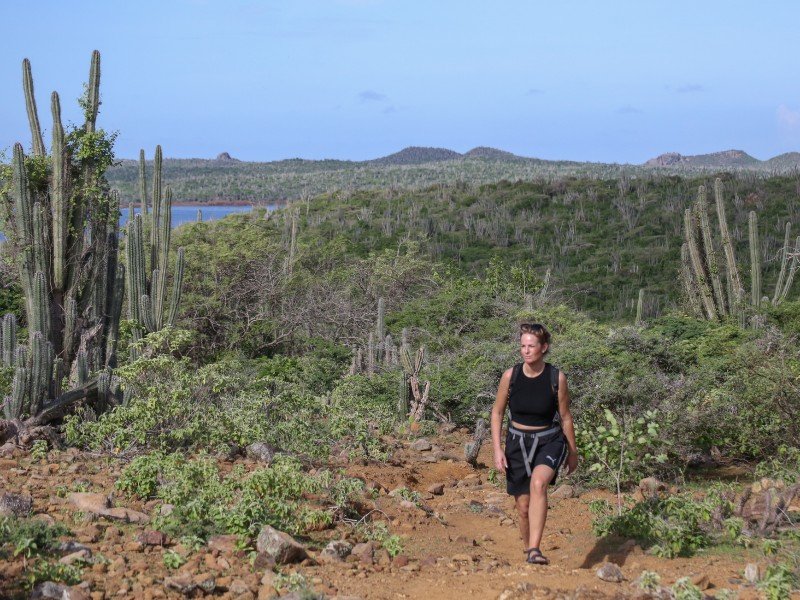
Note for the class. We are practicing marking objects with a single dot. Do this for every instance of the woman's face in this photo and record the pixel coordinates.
(531, 349)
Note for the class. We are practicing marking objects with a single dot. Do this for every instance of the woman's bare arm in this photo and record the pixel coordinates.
(498, 412)
(566, 422)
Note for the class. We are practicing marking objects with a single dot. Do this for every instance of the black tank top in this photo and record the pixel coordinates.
(532, 401)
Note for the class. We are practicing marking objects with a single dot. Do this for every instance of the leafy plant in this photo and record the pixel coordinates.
(670, 527)
(779, 581)
(623, 447)
(206, 502)
(173, 560)
(684, 589)
(58, 572)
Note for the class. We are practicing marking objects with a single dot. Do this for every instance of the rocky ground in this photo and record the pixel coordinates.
(459, 540)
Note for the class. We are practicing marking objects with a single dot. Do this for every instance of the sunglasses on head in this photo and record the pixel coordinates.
(531, 327)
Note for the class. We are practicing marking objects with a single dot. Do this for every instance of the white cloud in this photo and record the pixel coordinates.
(788, 118)
(372, 96)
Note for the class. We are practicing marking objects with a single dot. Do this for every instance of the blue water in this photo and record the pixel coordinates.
(188, 214)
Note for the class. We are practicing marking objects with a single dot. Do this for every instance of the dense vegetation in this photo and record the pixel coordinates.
(307, 335)
(411, 168)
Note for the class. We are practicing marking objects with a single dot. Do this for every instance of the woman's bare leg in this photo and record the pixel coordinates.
(537, 509)
(522, 503)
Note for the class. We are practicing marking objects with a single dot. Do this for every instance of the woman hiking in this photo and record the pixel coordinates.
(537, 444)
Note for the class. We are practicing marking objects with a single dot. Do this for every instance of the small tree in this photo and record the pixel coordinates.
(622, 447)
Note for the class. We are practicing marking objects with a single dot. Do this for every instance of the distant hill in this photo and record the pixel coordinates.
(225, 178)
(727, 159)
(784, 162)
(491, 153)
(416, 155)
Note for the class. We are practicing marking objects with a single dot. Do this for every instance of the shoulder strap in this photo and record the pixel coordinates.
(514, 376)
(554, 373)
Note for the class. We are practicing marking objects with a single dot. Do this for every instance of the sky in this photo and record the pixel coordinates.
(613, 81)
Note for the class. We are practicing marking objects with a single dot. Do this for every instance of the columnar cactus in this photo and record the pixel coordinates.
(710, 252)
(62, 230)
(701, 272)
(734, 281)
(755, 259)
(147, 266)
(413, 369)
(640, 307)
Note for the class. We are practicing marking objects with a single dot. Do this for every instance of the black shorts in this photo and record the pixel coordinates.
(551, 451)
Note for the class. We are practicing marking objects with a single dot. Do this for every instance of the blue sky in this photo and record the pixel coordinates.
(614, 81)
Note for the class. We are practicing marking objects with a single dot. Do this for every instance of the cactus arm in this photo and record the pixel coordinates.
(93, 93)
(710, 254)
(698, 270)
(727, 246)
(792, 270)
(146, 313)
(142, 185)
(755, 259)
(686, 276)
(176, 289)
(159, 285)
(59, 196)
(155, 224)
(30, 105)
(785, 259)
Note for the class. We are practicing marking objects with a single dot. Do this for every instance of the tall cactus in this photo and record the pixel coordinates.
(734, 281)
(710, 252)
(755, 259)
(63, 232)
(702, 273)
(148, 263)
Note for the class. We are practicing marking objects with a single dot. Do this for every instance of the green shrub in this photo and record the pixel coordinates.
(30, 537)
(206, 502)
(785, 465)
(670, 527)
(779, 582)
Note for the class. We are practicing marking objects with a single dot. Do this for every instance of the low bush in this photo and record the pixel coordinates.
(206, 502)
(676, 525)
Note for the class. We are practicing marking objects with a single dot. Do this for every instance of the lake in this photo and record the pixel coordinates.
(188, 214)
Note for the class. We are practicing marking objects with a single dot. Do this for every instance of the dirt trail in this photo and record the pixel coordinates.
(463, 543)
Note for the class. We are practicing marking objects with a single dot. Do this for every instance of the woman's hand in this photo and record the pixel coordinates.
(572, 463)
(500, 462)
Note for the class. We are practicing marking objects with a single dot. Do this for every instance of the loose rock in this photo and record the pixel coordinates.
(57, 591)
(421, 445)
(650, 486)
(15, 505)
(701, 581)
(752, 573)
(281, 546)
(261, 451)
(152, 538)
(437, 489)
(563, 491)
(610, 572)
(336, 551)
(90, 502)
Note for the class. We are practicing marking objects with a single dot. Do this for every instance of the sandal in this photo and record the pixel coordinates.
(535, 557)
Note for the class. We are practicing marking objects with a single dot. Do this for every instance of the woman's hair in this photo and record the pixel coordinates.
(537, 329)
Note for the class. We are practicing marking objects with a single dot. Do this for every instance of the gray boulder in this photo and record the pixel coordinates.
(610, 572)
(261, 451)
(280, 546)
(336, 551)
(15, 505)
